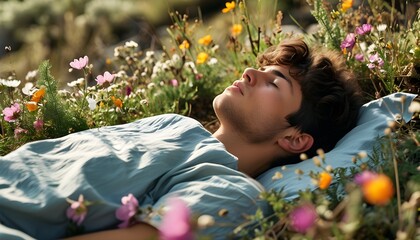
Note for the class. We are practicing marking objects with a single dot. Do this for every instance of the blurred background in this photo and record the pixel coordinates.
(61, 30)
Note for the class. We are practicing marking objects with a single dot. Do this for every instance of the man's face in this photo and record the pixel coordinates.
(256, 106)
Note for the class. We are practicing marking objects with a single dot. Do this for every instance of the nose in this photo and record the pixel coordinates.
(250, 76)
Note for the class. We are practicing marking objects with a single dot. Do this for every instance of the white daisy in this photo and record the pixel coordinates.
(10, 82)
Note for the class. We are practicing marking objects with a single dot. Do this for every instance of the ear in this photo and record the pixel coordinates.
(298, 143)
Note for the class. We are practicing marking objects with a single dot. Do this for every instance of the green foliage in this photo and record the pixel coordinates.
(59, 121)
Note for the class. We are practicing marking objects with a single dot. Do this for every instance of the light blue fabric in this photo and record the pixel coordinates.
(373, 120)
(153, 158)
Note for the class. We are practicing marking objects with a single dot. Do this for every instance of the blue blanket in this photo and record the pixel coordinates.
(153, 158)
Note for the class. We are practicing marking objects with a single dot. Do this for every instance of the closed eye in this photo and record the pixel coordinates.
(275, 85)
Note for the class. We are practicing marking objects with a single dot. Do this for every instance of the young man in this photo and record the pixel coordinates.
(297, 101)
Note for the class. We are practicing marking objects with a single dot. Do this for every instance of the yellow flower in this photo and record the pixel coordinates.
(202, 57)
(229, 7)
(31, 106)
(184, 45)
(117, 102)
(206, 40)
(236, 29)
(346, 4)
(379, 190)
(324, 180)
(37, 96)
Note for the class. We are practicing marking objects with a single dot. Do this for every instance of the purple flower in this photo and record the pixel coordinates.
(11, 113)
(348, 42)
(176, 221)
(359, 57)
(79, 64)
(363, 177)
(38, 124)
(303, 217)
(107, 77)
(77, 210)
(364, 29)
(127, 211)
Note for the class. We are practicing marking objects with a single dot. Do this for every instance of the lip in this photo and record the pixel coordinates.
(238, 85)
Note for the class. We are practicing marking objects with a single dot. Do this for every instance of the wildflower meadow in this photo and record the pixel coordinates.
(380, 41)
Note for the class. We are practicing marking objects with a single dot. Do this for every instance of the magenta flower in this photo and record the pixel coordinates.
(174, 82)
(107, 77)
(359, 57)
(375, 60)
(11, 113)
(79, 64)
(128, 210)
(302, 218)
(364, 29)
(364, 176)
(348, 42)
(176, 221)
(19, 131)
(77, 210)
(38, 124)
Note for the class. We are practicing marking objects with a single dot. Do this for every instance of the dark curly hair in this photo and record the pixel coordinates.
(331, 97)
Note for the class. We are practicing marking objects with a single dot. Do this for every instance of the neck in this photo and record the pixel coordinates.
(253, 158)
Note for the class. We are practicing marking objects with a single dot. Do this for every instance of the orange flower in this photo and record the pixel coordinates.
(206, 40)
(324, 180)
(184, 45)
(38, 95)
(346, 4)
(378, 190)
(202, 57)
(236, 29)
(229, 7)
(31, 106)
(117, 102)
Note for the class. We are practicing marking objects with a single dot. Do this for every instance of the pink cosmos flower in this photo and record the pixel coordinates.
(11, 113)
(79, 63)
(348, 42)
(127, 211)
(364, 176)
(302, 218)
(77, 210)
(359, 57)
(174, 82)
(375, 60)
(176, 221)
(364, 29)
(38, 124)
(107, 77)
(19, 131)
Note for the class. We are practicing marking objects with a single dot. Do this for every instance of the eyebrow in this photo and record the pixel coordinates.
(281, 75)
